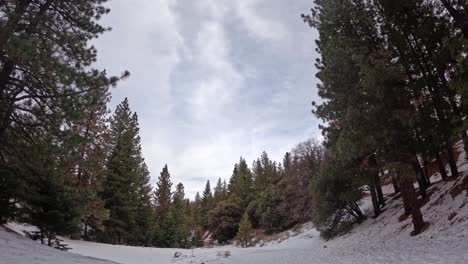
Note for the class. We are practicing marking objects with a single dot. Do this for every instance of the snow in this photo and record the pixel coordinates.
(385, 239)
(16, 249)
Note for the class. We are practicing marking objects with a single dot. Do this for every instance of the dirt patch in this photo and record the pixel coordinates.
(451, 216)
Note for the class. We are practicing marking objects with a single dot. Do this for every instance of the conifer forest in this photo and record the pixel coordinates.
(391, 106)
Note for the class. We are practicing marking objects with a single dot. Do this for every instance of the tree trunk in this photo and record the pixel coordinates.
(409, 195)
(419, 177)
(465, 143)
(378, 187)
(376, 179)
(451, 160)
(85, 232)
(395, 182)
(426, 172)
(42, 237)
(406, 205)
(375, 201)
(442, 171)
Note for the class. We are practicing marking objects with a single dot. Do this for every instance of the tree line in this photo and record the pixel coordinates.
(69, 167)
(393, 83)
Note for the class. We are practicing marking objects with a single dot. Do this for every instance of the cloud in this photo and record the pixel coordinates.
(221, 80)
(257, 24)
(212, 80)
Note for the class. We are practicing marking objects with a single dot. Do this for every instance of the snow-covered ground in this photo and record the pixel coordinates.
(17, 249)
(385, 239)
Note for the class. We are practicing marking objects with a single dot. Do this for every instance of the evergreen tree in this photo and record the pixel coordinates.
(218, 192)
(144, 217)
(265, 173)
(287, 162)
(163, 194)
(206, 204)
(92, 138)
(244, 235)
(360, 74)
(181, 215)
(47, 81)
(166, 234)
(241, 183)
(126, 186)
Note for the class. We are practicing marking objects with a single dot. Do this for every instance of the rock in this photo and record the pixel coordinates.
(177, 254)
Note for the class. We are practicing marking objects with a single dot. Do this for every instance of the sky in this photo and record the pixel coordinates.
(212, 80)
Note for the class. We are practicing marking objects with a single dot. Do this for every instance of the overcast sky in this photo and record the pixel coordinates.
(212, 80)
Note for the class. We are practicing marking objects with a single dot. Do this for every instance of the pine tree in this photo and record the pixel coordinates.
(218, 192)
(52, 205)
(163, 194)
(126, 184)
(241, 183)
(244, 235)
(144, 216)
(180, 215)
(196, 210)
(206, 204)
(47, 80)
(287, 162)
(92, 138)
(45, 55)
(360, 74)
(166, 235)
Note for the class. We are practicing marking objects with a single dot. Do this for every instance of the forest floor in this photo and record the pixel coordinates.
(385, 239)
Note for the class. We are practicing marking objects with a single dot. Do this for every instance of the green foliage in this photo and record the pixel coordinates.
(197, 239)
(163, 194)
(270, 210)
(240, 184)
(126, 190)
(337, 192)
(166, 235)
(53, 207)
(181, 215)
(224, 219)
(244, 235)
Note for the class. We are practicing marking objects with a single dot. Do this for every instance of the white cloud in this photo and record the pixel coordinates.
(221, 80)
(205, 93)
(259, 25)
